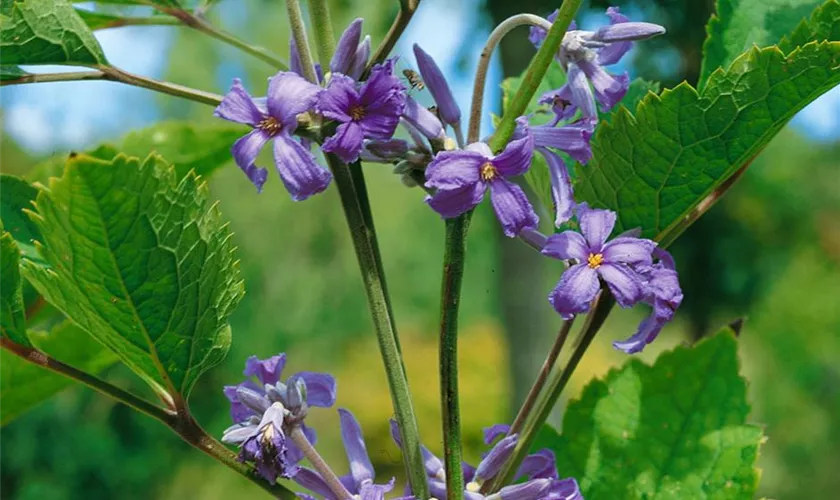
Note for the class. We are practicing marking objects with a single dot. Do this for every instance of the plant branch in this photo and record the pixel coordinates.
(453, 277)
(480, 82)
(407, 10)
(299, 438)
(363, 236)
(319, 13)
(301, 40)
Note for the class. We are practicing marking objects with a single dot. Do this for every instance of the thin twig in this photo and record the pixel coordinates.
(299, 438)
(319, 13)
(301, 40)
(407, 10)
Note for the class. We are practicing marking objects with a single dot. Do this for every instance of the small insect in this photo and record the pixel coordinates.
(435, 111)
(414, 79)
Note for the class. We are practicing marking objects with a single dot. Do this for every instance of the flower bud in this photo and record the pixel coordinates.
(423, 120)
(438, 87)
(345, 50)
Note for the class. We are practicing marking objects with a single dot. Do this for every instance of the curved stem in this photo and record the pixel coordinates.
(299, 438)
(534, 74)
(407, 10)
(301, 40)
(453, 277)
(319, 13)
(479, 84)
(367, 252)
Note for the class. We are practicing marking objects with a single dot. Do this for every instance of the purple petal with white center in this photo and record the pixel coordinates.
(596, 225)
(567, 245)
(581, 93)
(536, 489)
(268, 370)
(561, 187)
(571, 139)
(345, 49)
(516, 157)
(451, 203)
(346, 143)
(496, 458)
(540, 465)
(512, 207)
(609, 89)
(313, 481)
(320, 388)
(454, 169)
(288, 96)
(438, 87)
(625, 284)
(238, 106)
(360, 59)
(646, 333)
(339, 97)
(574, 292)
(422, 119)
(494, 431)
(298, 170)
(354, 445)
(245, 151)
(629, 251)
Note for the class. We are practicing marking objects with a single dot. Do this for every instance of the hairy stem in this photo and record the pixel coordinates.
(370, 265)
(479, 84)
(319, 13)
(180, 422)
(301, 40)
(407, 10)
(534, 74)
(299, 438)
(453, 276)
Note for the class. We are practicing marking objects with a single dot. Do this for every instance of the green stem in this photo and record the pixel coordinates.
(299, 438)
(319, 13)
(534, 74)
(453, 276)
(407, 10)
(363, 237)
(301, 40)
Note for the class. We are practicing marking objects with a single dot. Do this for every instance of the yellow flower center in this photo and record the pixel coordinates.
(357, 112)
(488, 172)
(270, 125)
(595, 260)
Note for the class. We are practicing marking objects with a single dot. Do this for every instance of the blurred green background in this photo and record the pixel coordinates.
(769, 252)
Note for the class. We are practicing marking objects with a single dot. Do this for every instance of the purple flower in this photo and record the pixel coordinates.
(462, 177)
(614, 262)
(288, 96)
(370, 112)
(351, 55)
(663, 293)
(436, 83)
(423, 120)
(360, 480)
(263, 441)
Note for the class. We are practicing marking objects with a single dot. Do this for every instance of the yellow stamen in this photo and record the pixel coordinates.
(270, 125)
(357, 112)
(488, 172)
(595, 260)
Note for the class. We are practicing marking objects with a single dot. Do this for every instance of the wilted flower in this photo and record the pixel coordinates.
(288, 96)
(462, 177)
(615, 262)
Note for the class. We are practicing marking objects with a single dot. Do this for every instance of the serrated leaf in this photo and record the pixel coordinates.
(653, 167)
(738, 24)
(46, 32)
(12, 317)
(18, 195)
(142, 262)
(824, 24)
(24, 385)
(675, 430)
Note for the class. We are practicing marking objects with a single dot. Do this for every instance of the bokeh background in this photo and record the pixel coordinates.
(769, 252)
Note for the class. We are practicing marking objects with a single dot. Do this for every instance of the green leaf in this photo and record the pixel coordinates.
(46, 32)
(674, 430)
(19, 195)
(655, 166)
(142, 262)
(12, 317)
(824, 24)
(738, 24)
(104, 20)
(24, 385)
(11, 72)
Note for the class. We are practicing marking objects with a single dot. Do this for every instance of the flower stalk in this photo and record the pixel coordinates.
(407, 10)
(299, 438)
(301, 40)
(319, 13)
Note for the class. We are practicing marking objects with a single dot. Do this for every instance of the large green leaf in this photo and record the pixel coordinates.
(19, 195)
(675, 430)
(12, 318)
(142, 262)
(655, 166)
(824, 24)
(24, 385)
(738, 24)
(46, 32)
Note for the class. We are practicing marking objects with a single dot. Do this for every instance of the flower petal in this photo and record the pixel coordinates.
(495, 458)
(360, 59)
(561, 101)
(288, 96)
(647, 331)
(301, 175)
(354, 444)
(581, 93)
(346, 143)
(609, 89)
(516, 157)
(494, 431)
(345, 49)
(370, 491)
(454, 169)
(627, 31)
(238, 106)
(538, 465)
(571, 139)
(596, 225)
(422, 119)
(313, 481)
(381, 84)
(245, 151)
(625, 284)
(629, 251)
(438, 87)
(341, 95)
(575, 291)
(381, 119)
(535, 489)
(451, 203)
(512, 207)
(267, 371)
(561, 187)
(567, 245)
(320, 388)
